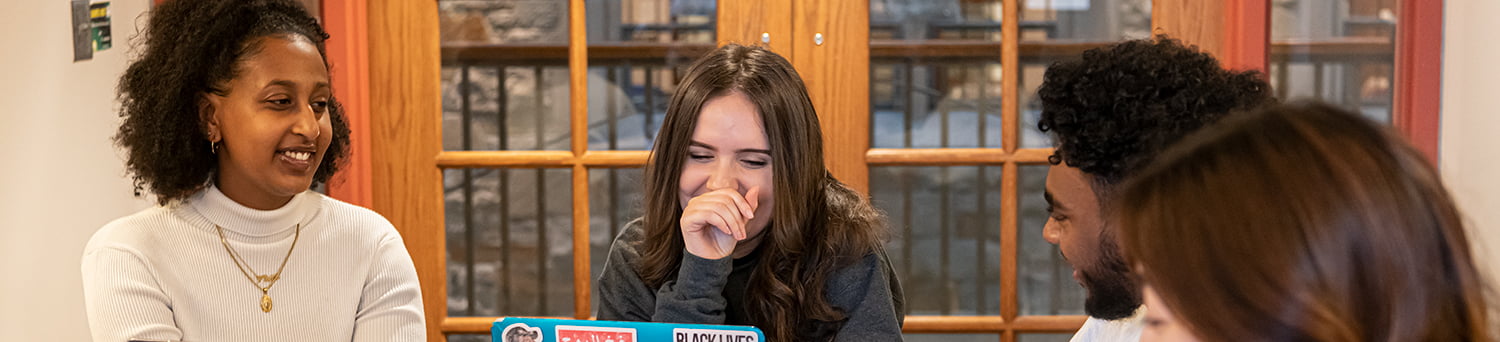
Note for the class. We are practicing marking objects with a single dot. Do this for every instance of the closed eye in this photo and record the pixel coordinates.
(755, 164)
(1052, 207)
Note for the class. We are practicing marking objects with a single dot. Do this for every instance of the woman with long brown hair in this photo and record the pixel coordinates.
(1300, 222)
(743, 223)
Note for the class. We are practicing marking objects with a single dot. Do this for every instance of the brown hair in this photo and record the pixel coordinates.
(1303, 222)
(819, 224)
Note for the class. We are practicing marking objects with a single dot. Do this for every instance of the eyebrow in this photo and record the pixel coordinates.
(743, 150)
(1050, 202)
(293, 85)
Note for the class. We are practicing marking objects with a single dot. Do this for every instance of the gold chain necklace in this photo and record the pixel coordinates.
(270, 280)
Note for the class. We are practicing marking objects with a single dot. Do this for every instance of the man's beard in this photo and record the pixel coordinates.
(1112, 291)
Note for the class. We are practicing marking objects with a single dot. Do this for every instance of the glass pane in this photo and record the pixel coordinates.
(504, 74)
(950, 337)
(1052, 30)
(509, 238)
(1045, 280)
(1043, 337)
(649, 45)
(922, 100)
(945, 244)
(614, 200)
(1337, 51)
(935, 20)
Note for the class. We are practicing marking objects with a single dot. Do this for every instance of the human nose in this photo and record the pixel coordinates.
(307, 123)
(723, 176)
(1050, 232)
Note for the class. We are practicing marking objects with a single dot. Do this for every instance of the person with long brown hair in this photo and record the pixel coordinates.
(1324, 226)
(744, 224)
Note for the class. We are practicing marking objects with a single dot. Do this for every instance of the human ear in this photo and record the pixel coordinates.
(208, 115)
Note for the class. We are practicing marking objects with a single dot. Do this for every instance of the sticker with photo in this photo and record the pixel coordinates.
(520, 332)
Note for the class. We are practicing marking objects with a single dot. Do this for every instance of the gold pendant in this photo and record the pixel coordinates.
(265, 303)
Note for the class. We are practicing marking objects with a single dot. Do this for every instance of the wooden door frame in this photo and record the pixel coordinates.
(1419, 67)
(406, 158)
(837, 73)
(405, 138)
(401, 78)
(1241, 41)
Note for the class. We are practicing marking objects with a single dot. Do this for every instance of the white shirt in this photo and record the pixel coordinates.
(164, 274)
(1120, 330)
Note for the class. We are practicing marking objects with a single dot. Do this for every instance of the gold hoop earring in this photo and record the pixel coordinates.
(213, 146)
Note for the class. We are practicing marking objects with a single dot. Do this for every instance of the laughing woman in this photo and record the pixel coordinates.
(743, 224)
(229, 119)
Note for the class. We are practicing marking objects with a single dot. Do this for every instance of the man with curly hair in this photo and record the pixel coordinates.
(1109, 113)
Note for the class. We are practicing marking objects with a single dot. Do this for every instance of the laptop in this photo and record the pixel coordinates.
(527, 329)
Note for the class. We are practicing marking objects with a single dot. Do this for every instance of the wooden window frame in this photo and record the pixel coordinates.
(387, 73)
(1242, 41)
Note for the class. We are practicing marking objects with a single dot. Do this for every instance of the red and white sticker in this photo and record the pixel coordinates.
(569, 333)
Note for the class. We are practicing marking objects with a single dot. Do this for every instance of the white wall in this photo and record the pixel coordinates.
(60, 175)
(1470, 145)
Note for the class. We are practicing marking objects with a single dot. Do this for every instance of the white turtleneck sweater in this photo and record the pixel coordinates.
(163, 274)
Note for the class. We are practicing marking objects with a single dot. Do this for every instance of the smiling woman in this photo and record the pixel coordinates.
(267, 132)
(228, 127)
(744, 224)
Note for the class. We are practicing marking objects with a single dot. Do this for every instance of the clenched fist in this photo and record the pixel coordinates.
(714, 222)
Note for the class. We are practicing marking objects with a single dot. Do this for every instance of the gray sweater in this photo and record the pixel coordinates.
(713, 291)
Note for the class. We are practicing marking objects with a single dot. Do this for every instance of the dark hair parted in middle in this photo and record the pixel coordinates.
(1324, 227)
(1113, 109)
(818, 223)
(190, 51)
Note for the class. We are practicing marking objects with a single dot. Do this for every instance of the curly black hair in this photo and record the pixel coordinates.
(191, 48)
(1111, 111)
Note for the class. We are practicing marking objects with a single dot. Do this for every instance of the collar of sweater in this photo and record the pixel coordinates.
(225, 212)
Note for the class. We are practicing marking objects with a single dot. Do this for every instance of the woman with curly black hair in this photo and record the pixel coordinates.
(229, 119)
